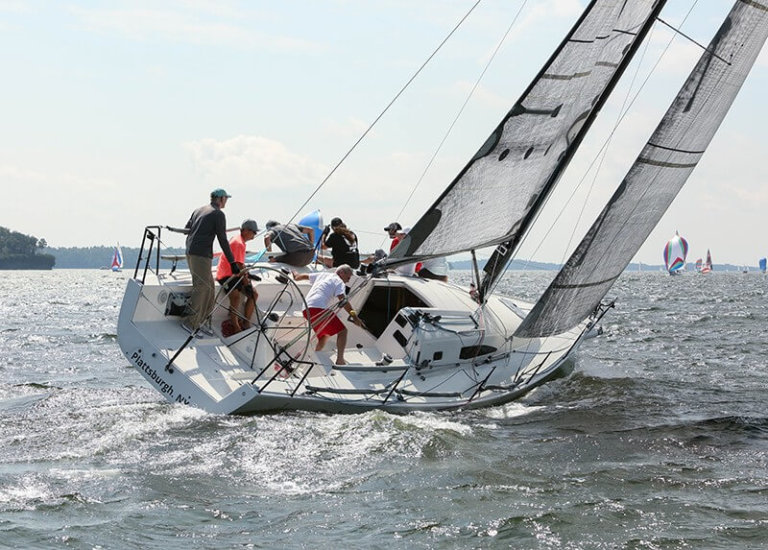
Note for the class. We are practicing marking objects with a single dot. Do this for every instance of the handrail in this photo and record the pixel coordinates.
(151, 234)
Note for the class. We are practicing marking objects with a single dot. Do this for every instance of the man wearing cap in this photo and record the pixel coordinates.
(393, 229)
(328, 287)
(205, 224)
(297, 250)
(238, 285)
(343, 244)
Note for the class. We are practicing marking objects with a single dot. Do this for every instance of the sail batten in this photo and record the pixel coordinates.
(656, 177)
(512, 174)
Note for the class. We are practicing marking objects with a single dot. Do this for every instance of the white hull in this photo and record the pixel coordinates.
(446, 352)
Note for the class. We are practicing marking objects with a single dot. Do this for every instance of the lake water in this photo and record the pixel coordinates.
(659, 439)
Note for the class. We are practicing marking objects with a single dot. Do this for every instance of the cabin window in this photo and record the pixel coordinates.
(469, 352)
(383, 304)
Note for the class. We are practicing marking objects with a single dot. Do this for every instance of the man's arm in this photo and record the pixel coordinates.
(183, 230)
(300, 276)
(348, 308)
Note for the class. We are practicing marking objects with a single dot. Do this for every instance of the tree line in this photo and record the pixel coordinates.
(19, 251)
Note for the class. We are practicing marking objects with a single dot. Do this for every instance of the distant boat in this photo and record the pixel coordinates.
(117, 259)
(675, 252)
(699, 264)
(762, 265)
(708, 264)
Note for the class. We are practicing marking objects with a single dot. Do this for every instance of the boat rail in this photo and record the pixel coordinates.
(151, 237)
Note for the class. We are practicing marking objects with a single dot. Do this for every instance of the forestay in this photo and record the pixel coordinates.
(508, 179)
(657, 175)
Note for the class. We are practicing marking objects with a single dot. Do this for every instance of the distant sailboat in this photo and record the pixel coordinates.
(675, 252)
(117, 259)
(699, 264)
(762, 265)
(708, 264)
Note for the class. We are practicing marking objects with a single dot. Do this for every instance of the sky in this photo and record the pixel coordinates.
(122, 114)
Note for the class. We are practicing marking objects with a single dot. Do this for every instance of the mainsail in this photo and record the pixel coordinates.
(510, 177)
(657, 176)
(708, 264)
(117, 259)
(762, 264)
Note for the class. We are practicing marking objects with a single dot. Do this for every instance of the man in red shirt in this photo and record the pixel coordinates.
(238, 284)
(393, 230)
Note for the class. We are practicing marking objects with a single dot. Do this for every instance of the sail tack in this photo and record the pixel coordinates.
(508, 179)
(657, 176)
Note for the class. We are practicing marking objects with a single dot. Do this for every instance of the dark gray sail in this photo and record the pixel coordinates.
(657, 176)
(509, 178)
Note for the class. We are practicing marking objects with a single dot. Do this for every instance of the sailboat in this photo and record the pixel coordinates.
(430, 345)
(761, 264)
(707, 267)
(675, 252)
(117, 259)
(699, 264)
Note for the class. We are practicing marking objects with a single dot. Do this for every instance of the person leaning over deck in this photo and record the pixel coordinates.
(327, 285)
(239, 285)
(205, 224)
(297, 250)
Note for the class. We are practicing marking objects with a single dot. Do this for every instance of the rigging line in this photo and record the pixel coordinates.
(461, 110)
(681, 33)
(613, 131)
(376, 120)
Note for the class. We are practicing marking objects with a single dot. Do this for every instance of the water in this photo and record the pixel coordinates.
(659, 439)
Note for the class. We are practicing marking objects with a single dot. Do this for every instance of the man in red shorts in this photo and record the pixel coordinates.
(328, 286)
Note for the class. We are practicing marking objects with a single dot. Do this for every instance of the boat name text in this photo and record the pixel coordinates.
(162, 385)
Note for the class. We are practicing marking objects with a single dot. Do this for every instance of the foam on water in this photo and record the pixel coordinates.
(658, 439)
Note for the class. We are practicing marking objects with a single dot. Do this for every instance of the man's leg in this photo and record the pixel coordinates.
(234, 307)
(321, 341)
(341, 343)
(203, 290)
(250, 306)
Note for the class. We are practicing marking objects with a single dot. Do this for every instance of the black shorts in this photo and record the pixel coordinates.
(239, 284)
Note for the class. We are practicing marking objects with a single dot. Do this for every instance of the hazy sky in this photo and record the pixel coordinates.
(117, 115)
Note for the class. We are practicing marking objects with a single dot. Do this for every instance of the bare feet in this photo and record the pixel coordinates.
(341, 362)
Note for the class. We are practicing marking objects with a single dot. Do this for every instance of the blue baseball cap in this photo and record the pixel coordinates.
(220, 193)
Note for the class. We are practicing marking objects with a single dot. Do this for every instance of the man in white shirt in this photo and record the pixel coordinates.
(328, 286)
